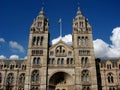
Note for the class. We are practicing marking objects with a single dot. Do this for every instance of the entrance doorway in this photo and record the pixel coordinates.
(61, 81)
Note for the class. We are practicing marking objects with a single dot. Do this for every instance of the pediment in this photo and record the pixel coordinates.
(61, 43)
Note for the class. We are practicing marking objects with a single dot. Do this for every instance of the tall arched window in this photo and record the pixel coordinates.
(38, 60)
(34, 41)
(10, 78)
(84, 61)
(35, 76)
(22, 78)
(58, 61)
(34, 60)
(38, 40)
(62, 61)
(86, 41)
(85, 76)
(11, 67)
(110, 78)
(23, 67)
(0, 78)
(41, 40)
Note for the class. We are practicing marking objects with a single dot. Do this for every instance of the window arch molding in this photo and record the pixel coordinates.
(85, 76)
(35, 76)
(110, 77)
(60, 50)
(22, 78)
(10, 78)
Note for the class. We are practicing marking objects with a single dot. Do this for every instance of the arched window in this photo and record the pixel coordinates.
(82, 60)
(67, 61)
(38, 60)
(23, 67)
(86, 60)
(86, 41)
(58, 61)
(110, 78)
(79, 41)
(62, 61)
(41, 41)
(10, 78)
(71, 61)
(85, 76)
(60, 51)
(109, 66)
(11, 67)
(34, 41)
(38, 40)
(83, 41)
(0, 78)
(34, 60)
(35, 76)
(22, 78)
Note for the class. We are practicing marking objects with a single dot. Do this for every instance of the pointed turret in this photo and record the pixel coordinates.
(41, 13)
(40, 24)
(79, 13)
(80, 23)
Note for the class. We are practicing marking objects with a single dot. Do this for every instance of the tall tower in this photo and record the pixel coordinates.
(37, 54)
(85, 69)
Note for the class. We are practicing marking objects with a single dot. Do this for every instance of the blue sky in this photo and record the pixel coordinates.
(16, 17)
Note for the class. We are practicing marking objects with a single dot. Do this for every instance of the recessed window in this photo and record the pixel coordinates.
(51, 53)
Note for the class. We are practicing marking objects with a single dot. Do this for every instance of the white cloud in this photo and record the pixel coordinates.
(2, 57)
(14, 57)
(101, 48)
(14, 45)
(25, 57)
(67, 39)
(2, 40)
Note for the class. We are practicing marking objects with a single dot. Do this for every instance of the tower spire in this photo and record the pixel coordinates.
(42, 9)
(79, 11)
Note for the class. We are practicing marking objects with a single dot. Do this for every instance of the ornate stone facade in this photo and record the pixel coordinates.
(60, 66)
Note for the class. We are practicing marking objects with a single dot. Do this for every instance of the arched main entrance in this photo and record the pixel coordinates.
(61, 81)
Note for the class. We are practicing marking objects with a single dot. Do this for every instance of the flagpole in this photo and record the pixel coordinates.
(60, 21)
(61, 29)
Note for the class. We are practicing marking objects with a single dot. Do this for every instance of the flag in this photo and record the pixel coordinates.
(60, 20)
